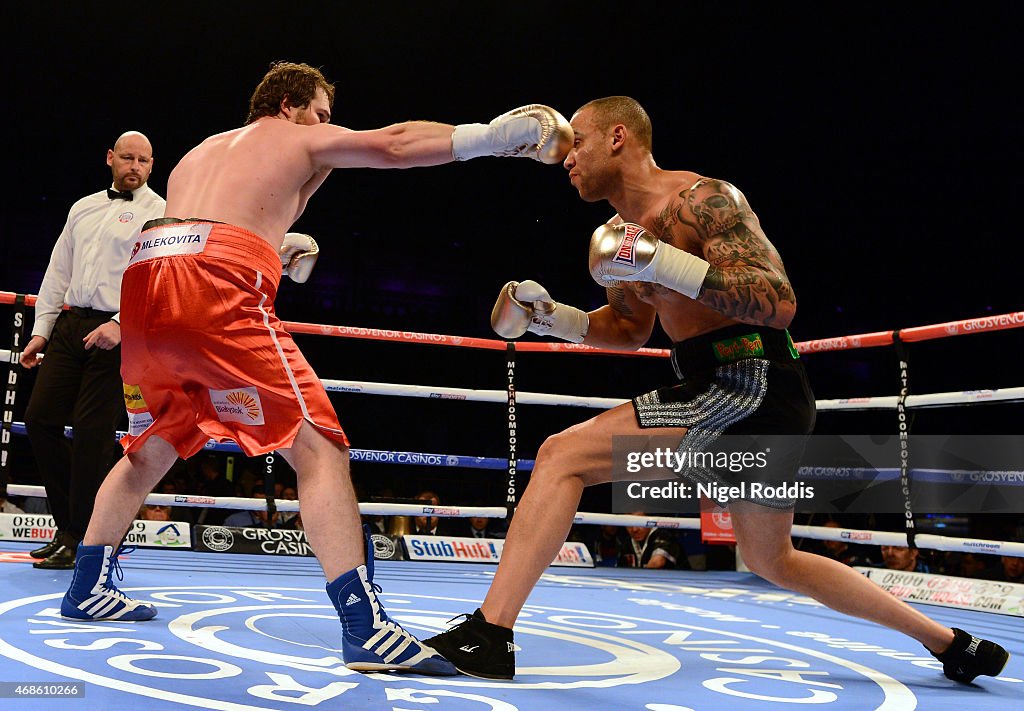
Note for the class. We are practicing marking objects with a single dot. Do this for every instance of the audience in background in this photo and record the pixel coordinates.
(695, 550)
(427, 525)
(847, 553)
(652, 548)
(1013, 569)
(289, 493)
(255, 519)
(149, 512)
(477, 527)
(8, 507)
(212, 482)
(174, 487)
(903, 558)
(381, 525)
(609, 545)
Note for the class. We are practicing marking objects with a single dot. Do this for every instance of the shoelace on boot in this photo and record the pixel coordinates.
(116, 567)
(467, 617)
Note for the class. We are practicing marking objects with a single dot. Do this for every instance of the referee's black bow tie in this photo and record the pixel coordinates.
(114, 195)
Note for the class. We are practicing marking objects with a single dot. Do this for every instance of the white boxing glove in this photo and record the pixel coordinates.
(628, 252)
(527, 306)
(532, 131)
(298, 253)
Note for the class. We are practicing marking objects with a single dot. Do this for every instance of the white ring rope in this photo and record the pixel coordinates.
(245, 504)
(963, 397)
(889, 402)
(603, 519)
(921, 540)
(467, 394)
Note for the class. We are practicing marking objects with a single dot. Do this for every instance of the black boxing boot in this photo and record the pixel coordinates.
(969, 656)
(478, 648)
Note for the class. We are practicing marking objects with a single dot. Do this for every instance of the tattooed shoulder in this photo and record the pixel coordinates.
(746, 280)
(716, 206)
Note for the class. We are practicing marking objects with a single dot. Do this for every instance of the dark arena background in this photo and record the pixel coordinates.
(880, 147)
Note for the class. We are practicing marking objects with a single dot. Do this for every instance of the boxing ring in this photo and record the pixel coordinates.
(245, 631)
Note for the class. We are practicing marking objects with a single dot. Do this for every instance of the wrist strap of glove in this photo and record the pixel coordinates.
(678, 270)
(471, 140)
(563, 321)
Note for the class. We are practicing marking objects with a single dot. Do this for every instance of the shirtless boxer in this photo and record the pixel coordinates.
(686, 250)
(205, 355)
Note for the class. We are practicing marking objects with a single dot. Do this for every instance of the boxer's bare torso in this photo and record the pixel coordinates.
(711, 219)
(258, 177)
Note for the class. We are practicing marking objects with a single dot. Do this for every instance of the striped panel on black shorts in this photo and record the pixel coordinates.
(737, 391)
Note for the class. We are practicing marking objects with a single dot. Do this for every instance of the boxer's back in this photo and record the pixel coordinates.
(253, 177)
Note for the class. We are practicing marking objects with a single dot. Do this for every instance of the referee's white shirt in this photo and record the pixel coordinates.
(91, 254)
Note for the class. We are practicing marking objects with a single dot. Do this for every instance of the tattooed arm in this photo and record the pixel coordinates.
(746, 280)
(626, 322)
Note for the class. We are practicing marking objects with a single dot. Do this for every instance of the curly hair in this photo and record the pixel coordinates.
(296, 83)
(621, 109)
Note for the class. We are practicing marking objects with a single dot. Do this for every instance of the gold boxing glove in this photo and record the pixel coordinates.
(532, 131)
(527, 306)
(298, 254)
(628, 252)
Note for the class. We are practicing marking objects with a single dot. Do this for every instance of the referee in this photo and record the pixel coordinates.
(79, 381)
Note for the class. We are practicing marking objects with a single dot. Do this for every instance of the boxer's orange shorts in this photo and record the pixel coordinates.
(203, 356)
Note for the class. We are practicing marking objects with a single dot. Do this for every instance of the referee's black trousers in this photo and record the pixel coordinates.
(81, 388)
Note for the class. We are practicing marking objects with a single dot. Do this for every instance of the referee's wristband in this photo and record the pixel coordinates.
(116, 321)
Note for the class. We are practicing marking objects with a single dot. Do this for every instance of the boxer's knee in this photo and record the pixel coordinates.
(155, 454)
(761, 564)
(558, 460)
(771, 562)
(310, 441)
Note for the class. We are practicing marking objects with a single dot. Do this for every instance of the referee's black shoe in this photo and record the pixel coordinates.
(478, 648)
(50, 548)
(62, 559)
(968, 656)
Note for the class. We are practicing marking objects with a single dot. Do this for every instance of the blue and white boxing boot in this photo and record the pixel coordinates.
(93, 595)
(370, 640)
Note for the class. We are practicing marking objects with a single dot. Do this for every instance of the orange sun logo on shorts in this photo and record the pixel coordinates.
(238, 405)
(247, 402)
